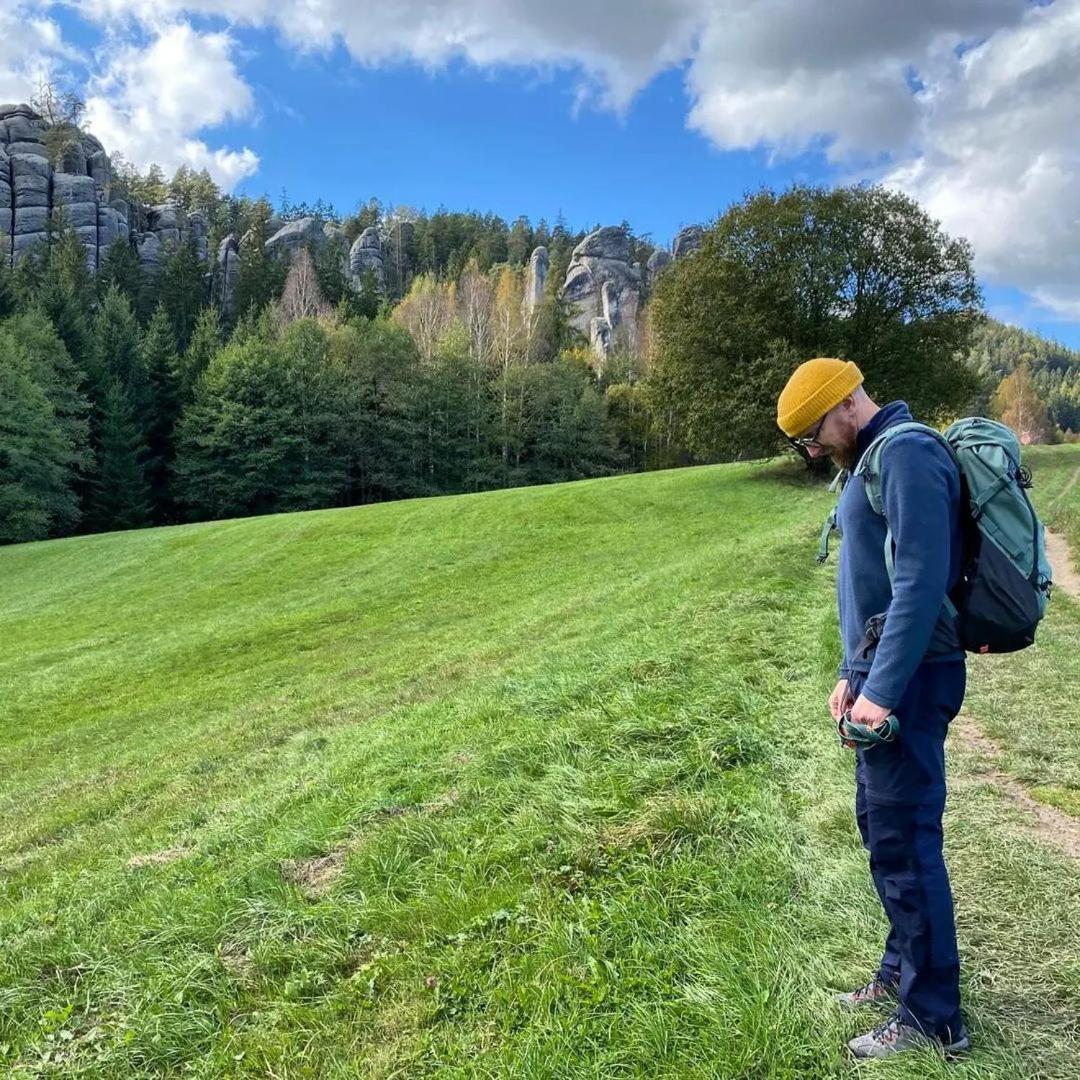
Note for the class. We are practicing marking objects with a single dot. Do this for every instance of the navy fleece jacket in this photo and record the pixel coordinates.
(920, 487)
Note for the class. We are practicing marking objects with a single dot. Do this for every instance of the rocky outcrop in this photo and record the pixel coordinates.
(36, 192)
(655, 266)
(225, 275)
(304, 232)
(366, 256)
(535, 279)
(687, 241)
(33, 189)
(601, 284)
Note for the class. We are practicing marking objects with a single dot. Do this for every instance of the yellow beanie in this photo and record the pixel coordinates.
(813, 389)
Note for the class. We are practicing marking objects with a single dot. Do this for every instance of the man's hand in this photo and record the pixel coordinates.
(840, 699)
(864, 711)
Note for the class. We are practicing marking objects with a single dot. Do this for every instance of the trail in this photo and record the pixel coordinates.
(1052, 826)
(1067, 488)
(1055, 828)
(1065, 577)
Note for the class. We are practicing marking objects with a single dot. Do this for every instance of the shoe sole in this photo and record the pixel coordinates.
(949, 1053)
(956, 1049)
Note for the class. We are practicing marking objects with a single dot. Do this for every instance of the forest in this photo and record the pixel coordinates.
(132, 396)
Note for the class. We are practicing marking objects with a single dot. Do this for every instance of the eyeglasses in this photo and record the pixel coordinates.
(805, 442)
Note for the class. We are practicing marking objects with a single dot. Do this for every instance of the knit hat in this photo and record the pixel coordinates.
(813, 389)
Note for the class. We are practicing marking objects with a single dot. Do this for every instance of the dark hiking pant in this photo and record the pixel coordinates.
(899, 802)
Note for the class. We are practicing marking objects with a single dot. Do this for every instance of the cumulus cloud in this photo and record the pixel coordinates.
(967, 104)
(999, 154)
(839, 74)
(149, 102)
(31, 47)
(618, 49)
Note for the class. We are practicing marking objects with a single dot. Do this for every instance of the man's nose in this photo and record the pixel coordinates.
(815, 451)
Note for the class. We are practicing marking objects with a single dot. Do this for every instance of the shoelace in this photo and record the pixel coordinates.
(871, 989)
(889, 1031)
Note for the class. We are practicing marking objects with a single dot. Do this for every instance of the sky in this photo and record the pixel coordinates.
(657, 112)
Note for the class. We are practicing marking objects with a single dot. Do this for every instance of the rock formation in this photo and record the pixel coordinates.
(33, 193)
(304, 232)
(535, 279)
(225, 275)
(687, 241)
(602, 289)
(366, 255)
(655, 266)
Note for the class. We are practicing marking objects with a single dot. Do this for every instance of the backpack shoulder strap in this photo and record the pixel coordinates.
(869, 466)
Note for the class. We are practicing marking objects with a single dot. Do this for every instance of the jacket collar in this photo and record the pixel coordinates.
(896, 412)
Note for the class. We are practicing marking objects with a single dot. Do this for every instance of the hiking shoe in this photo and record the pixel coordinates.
(895, 1037)
(875, 992)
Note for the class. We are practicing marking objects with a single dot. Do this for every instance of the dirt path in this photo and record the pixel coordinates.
(1055, 828)
(1067, 488)
(1065, 577)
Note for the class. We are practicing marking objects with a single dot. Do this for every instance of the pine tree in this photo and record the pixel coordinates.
(116, 354)
(182, 289)
(520, 243)
(206, 341)
(119, 266)
(260, 278)
(163, 377)
(63, 385)
(121, 495)
(57, 280)
(36, 494)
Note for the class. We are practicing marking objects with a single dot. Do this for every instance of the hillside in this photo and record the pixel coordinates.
(998, 349)
(536, 782)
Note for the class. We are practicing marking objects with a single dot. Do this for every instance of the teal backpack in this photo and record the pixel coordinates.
(1005, 581)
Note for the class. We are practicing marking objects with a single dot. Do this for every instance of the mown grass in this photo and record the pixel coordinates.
(1028, 701)
(534, 783)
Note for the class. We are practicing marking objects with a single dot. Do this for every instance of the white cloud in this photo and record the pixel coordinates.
(788, 75)
(150, 102)
(967, 104)
(618, 49)
(999, 155)
(31, 47)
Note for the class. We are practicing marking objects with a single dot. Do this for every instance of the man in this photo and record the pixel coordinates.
(915, 671)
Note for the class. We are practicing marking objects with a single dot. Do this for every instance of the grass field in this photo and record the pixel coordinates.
(533, 783)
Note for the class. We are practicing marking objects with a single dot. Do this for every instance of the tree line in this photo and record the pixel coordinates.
(128, 398)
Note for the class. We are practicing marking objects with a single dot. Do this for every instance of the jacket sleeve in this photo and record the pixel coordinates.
(920, 491)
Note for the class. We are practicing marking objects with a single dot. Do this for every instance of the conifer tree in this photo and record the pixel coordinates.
(163, 377)
(63, 384)
(182, 289)
(119, 266)
(116, 354)
(8, 298)
(121, 495)
(56, 279)
(260, 278)
(36, 493)
(206, 340)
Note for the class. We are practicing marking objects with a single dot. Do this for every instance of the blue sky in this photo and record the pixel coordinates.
(507, 141)
(523, 112)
